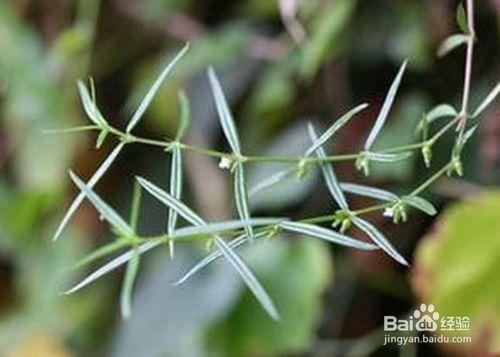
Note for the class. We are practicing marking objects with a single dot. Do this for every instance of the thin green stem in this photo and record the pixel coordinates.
(404, 148)
(151, 142)
(444, 129)
(205, 151)
(274, 159)
(373, 208)
(319, 219)
(306, 159)
(432, 179)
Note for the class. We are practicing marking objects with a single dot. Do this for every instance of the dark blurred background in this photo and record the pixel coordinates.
(281, 63)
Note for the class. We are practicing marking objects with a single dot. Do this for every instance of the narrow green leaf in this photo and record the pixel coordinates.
(100, 139)
(90, 106)
(452, 42)
(235, 261)
(233, 244)
(111, 265)
(248, 277)
(335, 127)
(325, 234)
(487, 101)
(171, 202)
(379, 239)
(382, 157)
(420, 203)
(128, 284)
(103, 208)
(102, 252)
(327, 170)
(468, 134)
(218, 227)
(225, 117)
(462, 18)
(272, 180)
(367, 191)
(386, 107)
(175, 191)
(241, 199)
(136, 206)
(91, 183)
(185, 116)
(154, 88)
(441, 111)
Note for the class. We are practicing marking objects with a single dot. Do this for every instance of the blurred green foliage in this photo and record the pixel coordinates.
(457, 268)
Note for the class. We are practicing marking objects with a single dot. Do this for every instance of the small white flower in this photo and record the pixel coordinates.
(225, 163)
(388, 212)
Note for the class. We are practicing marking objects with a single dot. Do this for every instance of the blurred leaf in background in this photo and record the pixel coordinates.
(32, 102)
(457, 265)
(38, 92)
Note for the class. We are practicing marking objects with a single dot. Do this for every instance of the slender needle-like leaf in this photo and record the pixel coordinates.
(136, 206)
(241, 198)
(272, 180)
(249, 278)
(235, 261)
(91, 183)
(102, 252)
(367, 191)
(383, 157)
(185, 116)
(154, 88)
(90, 106)
(468, 134)
(379, 239)
(325, 234)
(103, 208)
(171, 202)
(175, 191)
(128, 284)
(101, 137)
(213, 228)
(327, 170)
(386, 107)
(335, 127)
(234, 244)
(112, 265)
(493, 94)
(225, 116)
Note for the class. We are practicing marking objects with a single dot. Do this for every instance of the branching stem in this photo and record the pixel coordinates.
(452, 164)
(277, 159)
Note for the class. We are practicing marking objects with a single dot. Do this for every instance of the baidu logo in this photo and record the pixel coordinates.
(425, 318)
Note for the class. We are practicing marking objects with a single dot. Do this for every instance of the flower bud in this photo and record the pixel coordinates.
(302, 169)
(427, 154)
